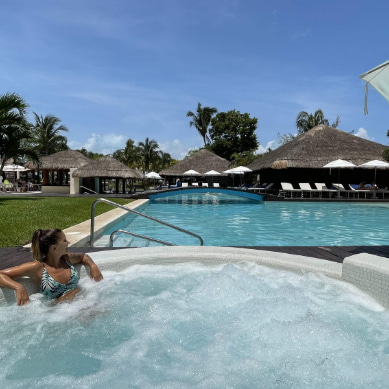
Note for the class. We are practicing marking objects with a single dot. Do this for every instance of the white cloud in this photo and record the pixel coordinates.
(273, 144)
(103, 144)
(362, 133)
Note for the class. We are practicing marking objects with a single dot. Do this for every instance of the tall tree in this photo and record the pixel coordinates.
(130, 155)
(202, 120)
(163, 161)
(233, 133)
(148, 151)
(306, 121)
(90, 154)
(47, 138)
(14, 129)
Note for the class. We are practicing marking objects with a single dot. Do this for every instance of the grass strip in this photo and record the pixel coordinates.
(20, 217)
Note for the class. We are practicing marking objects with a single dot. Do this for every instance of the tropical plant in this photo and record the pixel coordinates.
(46, 135)
(90, 154)
(202, 120)
(14, 129)
(148, 152)
(163, 160)
(306, 121)
(130, 155)
(233, 132)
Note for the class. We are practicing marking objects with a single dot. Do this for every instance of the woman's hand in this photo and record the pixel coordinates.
(22, 295)
(95, 272)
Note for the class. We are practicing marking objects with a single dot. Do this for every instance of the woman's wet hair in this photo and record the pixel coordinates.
(41, 242)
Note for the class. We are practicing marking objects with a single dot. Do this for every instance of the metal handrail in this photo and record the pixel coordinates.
(138, 236)
(84, 187)
(92, 222)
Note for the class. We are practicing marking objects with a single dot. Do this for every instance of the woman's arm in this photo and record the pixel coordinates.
(8, 276)
(85, 259)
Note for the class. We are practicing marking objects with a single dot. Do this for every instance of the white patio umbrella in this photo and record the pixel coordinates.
(378, 78)
(212, 173)
(339, 164)
(191, 173)
(15, 168)
(243, 169)
(153, 175)
(233, 172)
(375, 164)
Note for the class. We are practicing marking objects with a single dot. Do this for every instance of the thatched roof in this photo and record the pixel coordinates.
(107, 167)
(62, 160)
(202, 161)
(319, 146)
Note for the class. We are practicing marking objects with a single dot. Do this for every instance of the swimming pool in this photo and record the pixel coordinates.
(226, 221)
(189, 325)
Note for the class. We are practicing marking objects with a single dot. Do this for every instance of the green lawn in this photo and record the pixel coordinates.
(20, 217)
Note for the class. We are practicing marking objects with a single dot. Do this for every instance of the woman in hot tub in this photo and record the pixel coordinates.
(52, 269)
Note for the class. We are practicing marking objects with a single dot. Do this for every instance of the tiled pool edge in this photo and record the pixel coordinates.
(368, 272)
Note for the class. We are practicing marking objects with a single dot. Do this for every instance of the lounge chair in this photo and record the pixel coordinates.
(195, 184)
(205, 184)
(287, 187)
(184, 185)
(216, 185)
(266, 188)
(257, 188)
(354, 188)
(306, 187)
(322, 188)
(340, 188)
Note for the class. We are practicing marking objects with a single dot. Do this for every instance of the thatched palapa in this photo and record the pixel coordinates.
(62, 160)
(202, 161)
(319, 146)
(107, 167)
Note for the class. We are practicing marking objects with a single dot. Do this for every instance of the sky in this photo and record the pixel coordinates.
(114, 70)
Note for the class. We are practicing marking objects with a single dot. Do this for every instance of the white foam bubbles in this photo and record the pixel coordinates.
(189, 325)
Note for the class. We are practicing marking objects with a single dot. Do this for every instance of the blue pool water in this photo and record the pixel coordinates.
(194, 326)
(227, 221)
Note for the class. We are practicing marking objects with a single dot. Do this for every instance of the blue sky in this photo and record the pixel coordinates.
(118, 69)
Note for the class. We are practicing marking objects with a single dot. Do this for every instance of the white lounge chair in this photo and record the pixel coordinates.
(216, 185)
(184, 184)
(287, 187)
(365, 192)
(306, 188)
(340, 188)
(205, 184)
(195, 184)
(322, 188)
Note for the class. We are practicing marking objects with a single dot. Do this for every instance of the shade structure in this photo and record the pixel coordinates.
(375, 164)
(339, 164)
(191, 172)
(153, 175)
(241, 169)
(14, 168)
(378, 78)
(212, 173)
(234, 172)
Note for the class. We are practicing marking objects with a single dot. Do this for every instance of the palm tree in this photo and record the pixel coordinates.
(202, 120)
(14, 129)
(305, 121)
(148, 152)
(130, 155)
(46, 135)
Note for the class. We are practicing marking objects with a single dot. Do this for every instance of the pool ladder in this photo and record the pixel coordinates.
(92, 226)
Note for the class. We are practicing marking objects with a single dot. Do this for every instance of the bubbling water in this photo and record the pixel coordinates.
(193, 326)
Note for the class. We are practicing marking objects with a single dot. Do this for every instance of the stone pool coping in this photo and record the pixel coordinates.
(368, 272)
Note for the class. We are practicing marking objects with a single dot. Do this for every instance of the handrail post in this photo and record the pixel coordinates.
(92, 224)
